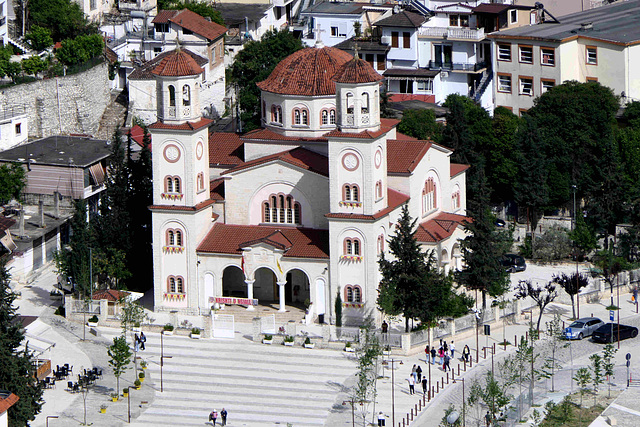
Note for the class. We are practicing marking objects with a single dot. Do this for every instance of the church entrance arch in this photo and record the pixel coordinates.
(233, 284)
(297, 287)
(265, 288)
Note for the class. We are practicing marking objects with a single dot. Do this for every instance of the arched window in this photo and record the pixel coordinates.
(168, 185)
(357, 297)
(429, 196)
(297, 213)
(332, 116)
(200, 181)
(380, 244)
(170, 238)
(300, 117)
(352, 246)
(276, 114)
(347, 192)
(365, 103)
(349, 103)
(350, 193)
(186, 95)
(171, 285)
(178, 238)
(324, 117)
(176, 184)
(180, 285)
(172, 96)
(305, 117)
(281, 209)
(355, 193)
(353, 294)
(349, 293)
(266, 217)
(296, 117)
(455, 200)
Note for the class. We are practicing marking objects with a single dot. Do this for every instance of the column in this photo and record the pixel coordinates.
(281, 296)
(250, 292)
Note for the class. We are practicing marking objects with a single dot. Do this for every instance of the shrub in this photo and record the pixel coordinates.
(288, 338)
(141, 375)
(553, 245)
(195, 331)
(137, 383)
(93, 319)
(307, 340)
(125, 390)
(268, 337)
(168, 327)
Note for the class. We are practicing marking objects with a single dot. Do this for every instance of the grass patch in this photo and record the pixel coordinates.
(569, 414)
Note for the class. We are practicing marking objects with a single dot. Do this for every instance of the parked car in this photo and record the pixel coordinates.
(513, 263)
(582, 328)
(608, 333)
(65, 284)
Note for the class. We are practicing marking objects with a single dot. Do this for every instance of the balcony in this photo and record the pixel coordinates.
(471, 67)
(453, 33)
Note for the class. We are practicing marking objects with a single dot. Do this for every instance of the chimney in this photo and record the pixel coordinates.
(41, 212)
(21, 222)
(56, 204)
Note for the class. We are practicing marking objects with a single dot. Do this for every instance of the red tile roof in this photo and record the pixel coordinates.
(183, 126)
(177, 63)
(225, 148)
(300, 157)
(390, 123)
(191, 21)
(403, 137)
(144, 72)
(357, 71)
(270, 135)
(8, 402)
(307, 72)
(404, 19)
(297, 242)
(404, 155)
(216, 189)
(457, 168)
(195, 208)
(111, 295)
(6, 223)
(394, 200)
(366, 134)
(440, 228)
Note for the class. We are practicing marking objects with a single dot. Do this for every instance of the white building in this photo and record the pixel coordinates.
(301, 208)
(14, 128)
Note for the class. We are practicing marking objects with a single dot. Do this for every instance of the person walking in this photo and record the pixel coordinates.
(427, 353)
(419, 372)
(441, 355)
(381, 419)
(412, 384)
(385, 327)
(487, 419)
(446, 365)
(143, 340)
(452, 347)
(213, 416)
(424, 385)
(446, 348)
(433, 355)
(136, 343)
(465, 353)
(414, 373)
(223, 416)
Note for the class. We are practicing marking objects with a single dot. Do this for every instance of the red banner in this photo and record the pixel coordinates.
(233, 301)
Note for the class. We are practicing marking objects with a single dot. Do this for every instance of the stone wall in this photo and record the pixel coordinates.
(62, 105)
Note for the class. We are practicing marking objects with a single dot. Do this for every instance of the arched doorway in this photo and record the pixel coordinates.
(233, 284)
(209, 289)
(297, 288)
(265, 288)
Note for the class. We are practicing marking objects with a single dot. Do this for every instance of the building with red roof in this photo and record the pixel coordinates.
(301, 208)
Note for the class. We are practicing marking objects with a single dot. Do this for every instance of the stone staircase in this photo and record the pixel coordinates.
(242, 315)
(21, 44)
(114, 115)
(259, 385)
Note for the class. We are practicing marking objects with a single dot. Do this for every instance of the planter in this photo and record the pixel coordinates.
(195, 336)
(114, 399)
(92, 324)
(309, 345)
(165, 332)
(103, 410)
(269, 342)
(349, 349)
(138, 386)
(288, 343)
(125, 394)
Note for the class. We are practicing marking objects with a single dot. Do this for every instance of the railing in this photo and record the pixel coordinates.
(13, 111)
(452, 33)
(457, 66)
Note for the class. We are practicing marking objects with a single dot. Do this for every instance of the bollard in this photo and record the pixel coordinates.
(515, 340)
(458, 369)
(494, 348)
(416, 409)
(424, 400)
(447, 377)
(419, 405)
(465, 365)
(437, 387)
(403, 422)
(471, 362)
(484, 352)
(526, 336)
(442, 387)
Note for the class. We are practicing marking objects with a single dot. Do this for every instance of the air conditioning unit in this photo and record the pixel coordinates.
(385, 40)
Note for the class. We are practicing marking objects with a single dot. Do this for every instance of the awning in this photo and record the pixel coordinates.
(97, 173)
(8, 242)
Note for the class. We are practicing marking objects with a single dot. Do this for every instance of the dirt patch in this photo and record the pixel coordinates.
(569, 412)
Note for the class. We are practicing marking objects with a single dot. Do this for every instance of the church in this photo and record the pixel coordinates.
(300, 209)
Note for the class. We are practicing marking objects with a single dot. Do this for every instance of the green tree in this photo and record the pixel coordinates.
(33, 65)
(541, 295)
(596, 373)
(12, 181)
(501, 155)
(555, 342)
(364, 391)
(131, 314)
(12, 69)
(120, 355)
(493, 394)
(420, 124)
(338, 308)
(610, 265)
(583, 378)
(253, 64)
(39, 38)
(571, 285)
(202, 8)
(17, 370)
(80, 49)
(608, 354)
(412, 284)
(64, 18)
(110, 265)
(583, 237)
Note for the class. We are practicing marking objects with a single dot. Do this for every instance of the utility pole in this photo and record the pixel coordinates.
(393, 389)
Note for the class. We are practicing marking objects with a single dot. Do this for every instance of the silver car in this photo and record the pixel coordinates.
(581, 328)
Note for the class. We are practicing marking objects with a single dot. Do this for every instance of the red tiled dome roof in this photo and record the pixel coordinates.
(177, 63)
(357, 71)
(306, 72)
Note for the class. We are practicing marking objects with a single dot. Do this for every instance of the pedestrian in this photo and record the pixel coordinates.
(452, 347)
(419, 372)
(433, 355)
(446, 348)
(427, 352)
(143, 340)
(136, 343)
(465, 353)
(441, 355)
(412, 384)
(381, 419)
(385, 326)
(414, 373)
(424, 385)
(487, 419)
(213, 416)
(446, 365)
(223, 415)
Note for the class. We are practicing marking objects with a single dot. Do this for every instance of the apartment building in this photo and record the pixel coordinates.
(601, 44)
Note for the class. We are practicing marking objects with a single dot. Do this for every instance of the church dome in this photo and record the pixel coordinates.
(357, 71)
(307, 72)
(176, 64)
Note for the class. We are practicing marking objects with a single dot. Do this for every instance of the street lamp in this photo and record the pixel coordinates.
(353, 414)
(464, 418)
(393, 391)
(574, 225)
(453, 417)
(50, 416)
(129, 405)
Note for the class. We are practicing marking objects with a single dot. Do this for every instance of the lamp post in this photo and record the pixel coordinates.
(353, 413)
(129, 405)
(464, 420)
(393, 389)
(453, 417)
(574, 225)
(47, 420)
(492, 353)
(162, 357)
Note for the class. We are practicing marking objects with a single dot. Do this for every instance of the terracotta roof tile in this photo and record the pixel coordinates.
(357, 71)
(144, 72)
(367, 134)
(439, 228)
(191, 21)
(195, 208)
(8, 402)
(183, 126)
(177, 63)
(403, 137)
(216, 189)
(390, 123)
(394, 200)
(404, 19)
(457, 168)
(109, 294)
(267, 134)
(297, 242)
(307, 72)
(226, 149)
(404, 155)
(6, 223)
(300, 157)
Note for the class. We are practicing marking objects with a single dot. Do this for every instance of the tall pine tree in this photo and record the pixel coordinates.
(17, 373)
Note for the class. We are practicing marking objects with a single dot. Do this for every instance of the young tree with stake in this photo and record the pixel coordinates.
(571, 285)
(120, 354)
(541, 295)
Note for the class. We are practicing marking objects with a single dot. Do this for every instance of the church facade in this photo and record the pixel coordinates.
(300, 209)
